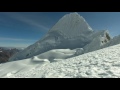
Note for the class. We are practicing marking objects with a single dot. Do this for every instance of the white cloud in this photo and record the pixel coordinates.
(14, 45)
(31, 22)
(15, 39)
(28, 21)
(15, 42)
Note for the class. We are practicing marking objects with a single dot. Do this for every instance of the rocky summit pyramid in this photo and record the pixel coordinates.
(70, 32)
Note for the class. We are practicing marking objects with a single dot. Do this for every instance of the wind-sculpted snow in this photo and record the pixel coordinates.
(103, 63)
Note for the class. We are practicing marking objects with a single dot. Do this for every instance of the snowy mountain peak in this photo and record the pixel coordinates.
(70, 32)
(71, 25)
(72, 15)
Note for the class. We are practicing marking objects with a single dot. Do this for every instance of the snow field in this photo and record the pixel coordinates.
(103, 63)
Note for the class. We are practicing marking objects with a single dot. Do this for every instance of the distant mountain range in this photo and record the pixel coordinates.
(6, 53)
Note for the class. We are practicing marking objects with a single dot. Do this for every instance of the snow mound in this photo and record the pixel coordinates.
(103, 63)
(55, 55)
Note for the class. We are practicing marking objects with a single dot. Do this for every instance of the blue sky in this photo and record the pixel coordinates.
(21, 29)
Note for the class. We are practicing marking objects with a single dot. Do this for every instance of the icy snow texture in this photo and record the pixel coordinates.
(70, 32)
(103, 63)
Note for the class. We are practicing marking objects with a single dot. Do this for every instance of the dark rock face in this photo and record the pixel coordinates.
(5, 54)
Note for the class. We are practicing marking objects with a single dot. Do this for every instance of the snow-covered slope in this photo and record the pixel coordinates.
(103, 63)
(70, 32)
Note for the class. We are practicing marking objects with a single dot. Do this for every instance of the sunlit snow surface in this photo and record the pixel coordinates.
(104, 63)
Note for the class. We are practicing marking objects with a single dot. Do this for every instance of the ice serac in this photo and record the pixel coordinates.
(114, 41)
(99, 39)
(70, 31)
